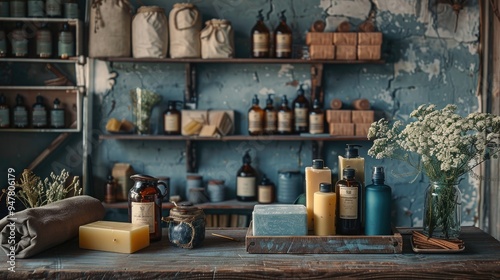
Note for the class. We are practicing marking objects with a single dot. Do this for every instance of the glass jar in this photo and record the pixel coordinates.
(193, 182)
(442, 210)
(186, 225)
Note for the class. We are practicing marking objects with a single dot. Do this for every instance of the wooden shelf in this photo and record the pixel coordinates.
(238, 60)
(230, 138)
(224, 205)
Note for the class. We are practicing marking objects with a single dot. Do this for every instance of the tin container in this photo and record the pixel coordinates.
(290, 186)
(186, 226)
(216, 190)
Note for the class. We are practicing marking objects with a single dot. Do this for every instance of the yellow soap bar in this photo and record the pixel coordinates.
(114, 236)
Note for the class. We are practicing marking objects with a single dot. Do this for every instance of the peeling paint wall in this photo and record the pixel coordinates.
(426, 62)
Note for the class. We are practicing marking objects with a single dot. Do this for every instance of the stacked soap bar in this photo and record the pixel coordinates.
(114, 236)
(279, 220)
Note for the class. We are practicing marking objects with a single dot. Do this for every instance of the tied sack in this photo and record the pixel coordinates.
(150, 32)
(217, 39)
(184, 28)
(109, 30)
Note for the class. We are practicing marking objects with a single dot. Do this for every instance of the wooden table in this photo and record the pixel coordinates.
(226, 259)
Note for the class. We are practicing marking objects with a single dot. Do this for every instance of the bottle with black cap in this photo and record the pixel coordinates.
(265, 191)
(378, 200)
(270, 116)
(351, 159)
(260, 38)
(20, 114)
(285, 117)
(57, 115)
(283, 39)
(172, 119)
(39, 113)
(316, 118)
(348, 204)
(255, 118)
(300, 112)
(324, 210)
(246, 179)
(315, 175)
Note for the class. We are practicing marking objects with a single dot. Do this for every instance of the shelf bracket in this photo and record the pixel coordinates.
(317, 149)
(190, 95)
(316, 82)
(191, 162)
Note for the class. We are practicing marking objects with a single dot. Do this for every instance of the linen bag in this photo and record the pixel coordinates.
(109, 31)
(150, 32)
(184, 28)
(217, 39)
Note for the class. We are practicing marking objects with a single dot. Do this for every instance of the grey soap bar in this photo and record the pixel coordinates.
(279, 220)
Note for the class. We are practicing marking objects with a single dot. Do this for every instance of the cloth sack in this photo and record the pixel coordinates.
(217, 39)
(150, 32)
(40, 228)
(109, 31)
(184, 27)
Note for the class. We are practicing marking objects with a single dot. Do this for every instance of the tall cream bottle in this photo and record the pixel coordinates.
(325, 202)
(315, 175)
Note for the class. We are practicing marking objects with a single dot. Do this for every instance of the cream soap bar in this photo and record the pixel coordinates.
(279, 220)
(114, 236)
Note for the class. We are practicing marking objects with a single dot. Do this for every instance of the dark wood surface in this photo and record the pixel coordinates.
(220, 258)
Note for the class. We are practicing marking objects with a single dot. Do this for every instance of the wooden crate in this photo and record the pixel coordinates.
(345, 52)
(341, 129)
(363, 116)
(322, 51)
(345, 38)
(336, 244)
(338, 116)
(370, 38)
(369, 52)
(319, 38)
(361, 129)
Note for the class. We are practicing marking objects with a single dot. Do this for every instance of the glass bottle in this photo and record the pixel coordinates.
(53, 8)
(266, 191)
(172, 119)
(246, 188)
(316, 118)
(71, 9)
(285, 117)
(18, 8)
(255, 118)
(66, 43)
(57, 115)
(19, 41)
(378, 200)
(110, 195)
(270, 117)
(442, 215)
(300, 112)
(20, 113)
(4, 112)
(3, 43)
(348, 204)
(260, 38)
(283, 38)
(4, 8)
(36, 8)
(39, 114)
(43, 42)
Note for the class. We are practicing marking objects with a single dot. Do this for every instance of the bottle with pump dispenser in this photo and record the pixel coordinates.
(285, 117)
(283, 39)
(270, 117)
(255, 118)
(172, 119)
(348, 204)
(316, 118)
(4, 112)
(315, 175)
(246, 180)
(39, 114)
(324, 210)
(378, 200)
(351, 159)
(300, 112)
(57, 118)
(260, 38)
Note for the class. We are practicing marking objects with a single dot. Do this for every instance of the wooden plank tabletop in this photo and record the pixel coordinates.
(225, 259)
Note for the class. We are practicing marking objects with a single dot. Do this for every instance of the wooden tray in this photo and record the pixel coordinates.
(337, 244)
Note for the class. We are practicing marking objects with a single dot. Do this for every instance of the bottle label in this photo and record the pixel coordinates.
(300, 116)
(44, 48)
(285, 121)
(171, 123)
(316, 124)
(20, 118)
(35, 8)
(270, 124)
(260, 42)
(53, 8)
(245, 186)
(348, 206)
(283, 42)
(143, 213)
(4, 117)
(254, 122)
(57, 118)
(17, 8)
(20, 47)
(66, 49)
(39, 117)
(265, 194)
(70, 10)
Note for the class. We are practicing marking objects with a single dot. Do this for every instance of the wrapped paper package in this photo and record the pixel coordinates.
(38, 229)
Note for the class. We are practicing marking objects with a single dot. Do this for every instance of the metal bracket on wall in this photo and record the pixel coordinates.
(190, 94)
(191, 162)
(316, 82)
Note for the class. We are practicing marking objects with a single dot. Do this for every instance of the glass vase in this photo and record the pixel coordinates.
(442, 210)
(143, 102)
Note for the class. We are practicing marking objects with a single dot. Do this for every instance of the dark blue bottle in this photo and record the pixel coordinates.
(378, 205)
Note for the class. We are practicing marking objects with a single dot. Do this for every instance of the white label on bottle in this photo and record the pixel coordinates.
(39, 117)
(270, 124)
(35, 8)
(316, 123)
(254, 122)
(44, 49)
(348, 206)
(57, 118)
(20, 118)
(4, 117)
(53, 8)
(265, 194)
(283, 42)
(171, 123)
(285, 121)
(66, 49)
(300, 116)
(20, 47)
(260, 42)
(245, 186)
(143, 213)
(70, 10)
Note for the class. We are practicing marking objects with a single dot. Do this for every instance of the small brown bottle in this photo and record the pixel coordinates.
(300, 112)
(260, 38)
(19, 41)
(265, 191)
(255, 118)
(110, 196)
(270, 117)
(20, 114)
(283, 39)
(348, 192)
(43, 42)
(316, 118)
(285, 117)
(39, 113)
(246, 180)
(172, 119)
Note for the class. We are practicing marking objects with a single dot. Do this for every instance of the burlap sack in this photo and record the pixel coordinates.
(217, 39)
(109, 32)
(150, 32)
(184, 28)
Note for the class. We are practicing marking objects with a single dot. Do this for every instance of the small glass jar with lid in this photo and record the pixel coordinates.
(186, 225)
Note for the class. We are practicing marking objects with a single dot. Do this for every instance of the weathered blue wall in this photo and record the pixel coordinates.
(426, 62)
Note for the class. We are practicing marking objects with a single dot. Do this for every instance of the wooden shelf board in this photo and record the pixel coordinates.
(231, 138)
(228, 204)
(238, 60)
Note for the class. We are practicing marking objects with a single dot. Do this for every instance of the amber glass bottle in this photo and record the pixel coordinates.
(172, 119)
(260, 38)
(283, 39)
(316, 118)
(246, 180)
(255, 118)
(270, 117)
(20, 114)
(300, 112)
(39, 113)
(348, 192)
(285, 117)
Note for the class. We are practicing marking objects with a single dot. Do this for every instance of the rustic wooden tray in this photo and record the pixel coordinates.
(337, 244)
